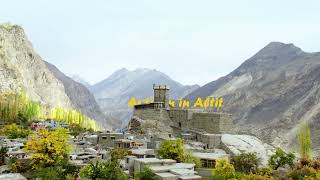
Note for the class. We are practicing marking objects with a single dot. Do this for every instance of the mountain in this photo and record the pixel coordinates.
(271, 93)
(21, 68)
(80, 80)
(80, 97)
(114, 92)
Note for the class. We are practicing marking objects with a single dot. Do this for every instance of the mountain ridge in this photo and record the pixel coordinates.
(270, 94)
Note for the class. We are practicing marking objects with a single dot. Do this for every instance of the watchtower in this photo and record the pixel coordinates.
(161, 94)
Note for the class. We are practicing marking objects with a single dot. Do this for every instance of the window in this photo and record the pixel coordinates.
(112, 137)
(179, 124)
(207, 163)
(104, 137)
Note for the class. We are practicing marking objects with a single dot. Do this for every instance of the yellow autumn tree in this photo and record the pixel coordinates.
(48, 148)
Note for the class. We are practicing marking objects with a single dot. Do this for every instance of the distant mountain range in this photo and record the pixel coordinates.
(271, 93)
(21, 68)
(114, 93)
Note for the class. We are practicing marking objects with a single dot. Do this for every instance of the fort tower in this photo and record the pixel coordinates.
(161, 94)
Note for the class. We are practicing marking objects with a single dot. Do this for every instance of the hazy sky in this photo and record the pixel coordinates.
(194, 41)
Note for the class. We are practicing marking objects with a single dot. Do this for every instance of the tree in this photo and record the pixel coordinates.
(119, 153)
(172, 149)
(48, 148)
(103, 170)
(245, 162)
(13, 131)
(3, 153)
(76, 129)
(223, 170)
(281, 159)
(146, 174)
(54, 173)
(304, 138)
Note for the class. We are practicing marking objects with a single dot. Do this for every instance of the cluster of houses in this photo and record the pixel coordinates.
(97, 147)
(48, 124)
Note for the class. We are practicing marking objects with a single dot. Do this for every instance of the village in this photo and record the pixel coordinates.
(208, 136)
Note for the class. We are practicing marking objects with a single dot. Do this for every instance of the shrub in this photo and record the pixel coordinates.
(20, 165)
(281, 159)
(264, 171)
(103, 170)
(305, 171)
(223, 170)
(245, 162)
(54, 173)
(189, 158)
(146, 174)
(13, 131)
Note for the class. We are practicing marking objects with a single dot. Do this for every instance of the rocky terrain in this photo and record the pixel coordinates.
(81, 97)
(21, 68)
(271, 93)
(114, 93)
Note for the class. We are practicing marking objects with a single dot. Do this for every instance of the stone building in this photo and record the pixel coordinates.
(180, 119)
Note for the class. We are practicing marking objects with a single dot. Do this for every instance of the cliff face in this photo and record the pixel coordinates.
(21, 68)
(271, 93)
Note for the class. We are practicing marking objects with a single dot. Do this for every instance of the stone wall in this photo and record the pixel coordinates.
(152, 114)
(187, 119)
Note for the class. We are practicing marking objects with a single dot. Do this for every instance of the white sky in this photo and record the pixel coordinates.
(194, 42)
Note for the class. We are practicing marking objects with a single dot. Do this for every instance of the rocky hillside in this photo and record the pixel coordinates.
(80, 97)
(114, 93)
(80, 80)
(21, 68)
(271, 93)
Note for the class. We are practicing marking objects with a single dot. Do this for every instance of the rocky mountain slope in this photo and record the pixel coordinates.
(21, 68)
(114, 93)
(80, 80)
(81, 97)
(271, 93)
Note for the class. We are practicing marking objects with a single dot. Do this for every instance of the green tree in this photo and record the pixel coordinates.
(52, 173)
(304, 138)
(281, 159)
(76, 129)
(245, 162)
(3, 153)
(119, 153)
(223, 170)
(174, 149)
(103, 170)
(48, 148)
(146, 174)
(13, 131)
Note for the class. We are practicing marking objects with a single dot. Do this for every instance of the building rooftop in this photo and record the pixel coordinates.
(142, 151)
(182, 172)
(167, 168)
(149, 160)
(194, 177)
(165, 175)
(211, 156)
